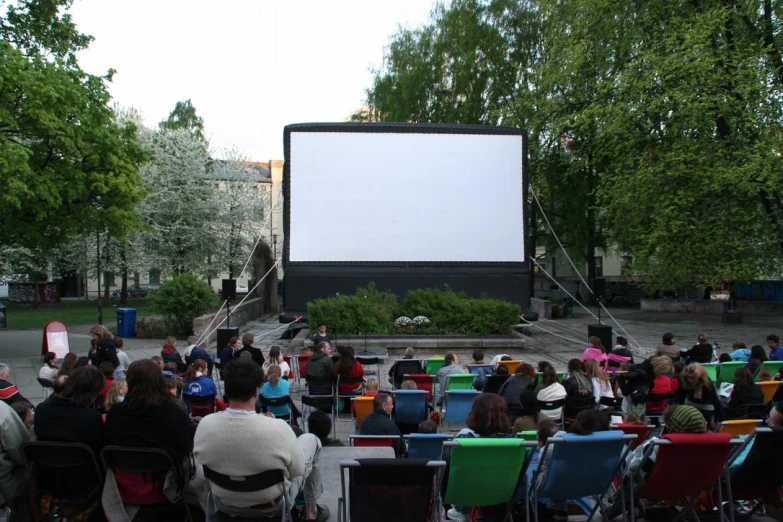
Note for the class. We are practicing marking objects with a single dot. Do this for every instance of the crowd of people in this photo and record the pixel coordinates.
(106, 399)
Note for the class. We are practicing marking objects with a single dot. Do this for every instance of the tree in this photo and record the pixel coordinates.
(184, 117)
(66, 164)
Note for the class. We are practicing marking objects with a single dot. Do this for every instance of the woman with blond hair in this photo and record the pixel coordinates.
(698, 390)
(116, 393)
(276, 358)
(275, 388)
(602, 387)
(104, 346)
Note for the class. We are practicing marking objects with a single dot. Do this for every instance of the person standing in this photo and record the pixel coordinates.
(255, 353)
(104, 346)
(321, 336)
(775, 351)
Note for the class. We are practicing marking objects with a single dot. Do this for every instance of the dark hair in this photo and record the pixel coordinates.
(118, 342)
(724, 357)
(502, 369)
(758, 352)
(621, 340)
(321, 324)
(668, 337)
(677, 366)
(574, 365)
(506, 358)
(546, 428)
(488, 416)
(49, 357)
(774, 338)
(274, 353)
(542, 365)
(548, 376)
(69, 363)
(427, 426)
(478, 354)
(380, 400)
(83, 386)
(243, 378)
(526, 369)
(319, 424)
(743, 380)
(590, 421)
(106, 368)
(347, 359)
(146, 385)
(595, 342)
(449, 359)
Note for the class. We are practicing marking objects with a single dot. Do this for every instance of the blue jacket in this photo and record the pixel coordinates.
(276, 392)
(776, 354)
(197, 352)
(226, 354)
(200, 387)
(740, 354)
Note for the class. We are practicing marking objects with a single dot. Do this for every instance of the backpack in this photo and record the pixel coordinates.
(635, 383)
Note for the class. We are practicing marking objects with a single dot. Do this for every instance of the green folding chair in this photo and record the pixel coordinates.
(712, 371)
(540, 377)
(772, 366)
(460, 381)
(434, 364)
(486, 472)
(530, 435)
(727, 371)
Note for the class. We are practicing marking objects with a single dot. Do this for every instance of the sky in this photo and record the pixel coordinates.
(250, 67)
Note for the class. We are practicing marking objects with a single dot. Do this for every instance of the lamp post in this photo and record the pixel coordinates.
(100, 304)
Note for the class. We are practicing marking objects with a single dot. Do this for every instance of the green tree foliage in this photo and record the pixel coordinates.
(184, 117)
(66, 164)
(181, 300)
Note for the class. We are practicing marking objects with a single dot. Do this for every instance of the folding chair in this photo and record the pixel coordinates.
(550, 406)
(458, 404)
(655, 405)
(580, 466)
(425, 445)
(362, 407)
(540, 377)
(434, 364)
(277, 402)
(727, 371)
(405, 367)
(460, 381)
(368, 361)
(199, 406)
(410, 407)
(495, 382)
(769, 388)
(574, 405)
(531, 435)
(642, 432)
(760, 475)
(772, 366)
(47, 385)
(389, 490)
(320, 385)
(301, 365)
(752, 411)
(141, 473)
(712, 371)
(476, 369)
(374, 441)
(244, 484)
(739, 427)
(686, 464)
(511, 365)
(424, 382)
(292, 375)
(346, 397)
(486, 471)
(67, 471)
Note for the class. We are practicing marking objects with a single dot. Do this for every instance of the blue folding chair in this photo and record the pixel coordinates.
(580, 466)
(410, 406)
(425, 445)
(475, 369)
(458, 405)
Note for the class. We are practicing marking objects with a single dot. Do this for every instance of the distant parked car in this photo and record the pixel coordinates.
(142, 291)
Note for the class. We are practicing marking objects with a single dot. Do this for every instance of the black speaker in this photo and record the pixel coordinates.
(603, 332)
(599, 287)
(223, 335)
(229, 289)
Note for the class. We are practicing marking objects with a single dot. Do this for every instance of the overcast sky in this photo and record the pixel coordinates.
(250, 67)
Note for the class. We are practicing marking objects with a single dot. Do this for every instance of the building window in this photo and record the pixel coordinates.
(154, 277)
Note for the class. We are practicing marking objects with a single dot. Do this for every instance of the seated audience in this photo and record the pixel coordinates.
(379, 421)
(701, 352)
(121, 355)
(157, 359)
(196, 381)
(104, 346)
(276, 358)
(321, 368)
(697, 390)
(116, 394)
(550, 391)
(230, 351)
(724, 357)
(765, 375)
(9, 393)
(451, 366)
(275, 388)
(512, 389)
(174, 387)
(395, 379)
(595, 351)
(49, 370)
(108, 372)
(677, 367)
(69, 363)
(529, 417)
(745, 392)
(621, 350)
(68, 416)
(668, 347)
(255, 353)
(170, 354)
(739, 352)
(193, 352)
(662, 384)
(577, 384)
(758, 354)
(274, 444)
(600, 385)
(320, 425)
(775, 351)
(406, 385)
(428, 426)
(481, 376)
(349, 370)
(14, 475)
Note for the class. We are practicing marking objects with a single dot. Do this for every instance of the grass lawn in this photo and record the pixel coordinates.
(25, 317)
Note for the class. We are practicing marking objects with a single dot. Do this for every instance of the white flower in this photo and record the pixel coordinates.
(403, 321)
(420, 320)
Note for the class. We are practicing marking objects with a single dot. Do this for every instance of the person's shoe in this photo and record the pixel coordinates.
(456, 516)
(323, 515)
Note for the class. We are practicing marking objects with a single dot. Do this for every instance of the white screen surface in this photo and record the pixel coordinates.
(396, 197)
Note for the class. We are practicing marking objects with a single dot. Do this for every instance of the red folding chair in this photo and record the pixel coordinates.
(642, 431)
(424, 381)
(686, 464)
(375, 441)
(301, 364)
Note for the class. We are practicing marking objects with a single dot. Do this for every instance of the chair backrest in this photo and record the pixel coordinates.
(353, 382)
(46, 383)
(751, 411)
(318, 401)
(460, 381)
(301, 362)
(739, 427)
(426, 445)
(476, 369)
(712, 371)
(511, 365)
(287, 359)
(642, 431)
(540, 377)
(761, 472)
(772, 366)
(63, 469)
(141, 473)
(727, 371)
(434, 364)
(410, 406)
(484, 471)
(402, 367)
(768, 388)
(245, 484)
(495, 382)
(685, 464)
(458, 404)
(320, 385)
(362, 407)
(424, 381)
(531, 435)
(276, 402)
(199, 406)
(583, 465)
(388, 490)
(375, 441)
(574, 405)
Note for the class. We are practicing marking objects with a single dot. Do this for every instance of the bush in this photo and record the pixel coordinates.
(180, 300)
(369, 309)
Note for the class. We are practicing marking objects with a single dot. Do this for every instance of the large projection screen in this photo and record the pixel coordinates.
(404, 205)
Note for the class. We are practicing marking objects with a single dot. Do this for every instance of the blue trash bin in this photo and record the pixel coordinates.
(126, 322)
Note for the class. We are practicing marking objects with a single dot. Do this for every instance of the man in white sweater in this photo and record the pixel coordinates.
(240, 442)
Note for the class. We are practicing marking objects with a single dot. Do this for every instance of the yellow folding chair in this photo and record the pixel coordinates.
(739, 427)
(362, 407)
(769, 388)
